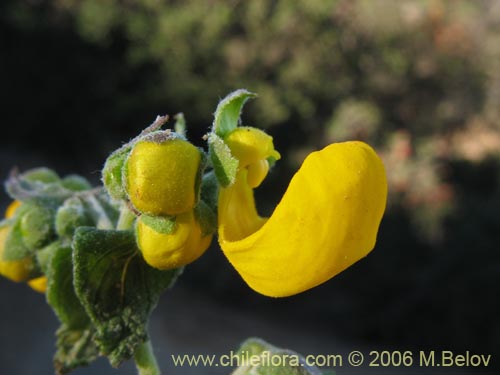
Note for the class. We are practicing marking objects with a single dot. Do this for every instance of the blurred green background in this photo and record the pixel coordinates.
(417, 79)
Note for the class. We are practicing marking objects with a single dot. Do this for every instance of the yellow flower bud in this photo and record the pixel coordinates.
(161, 177)
(252, 147)
(168, 251)
(327, 220)
(15, 270)
(39, 284)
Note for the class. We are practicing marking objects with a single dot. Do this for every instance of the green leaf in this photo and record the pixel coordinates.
(75, 348)
(228, 112)
(161, 224)
(112, 173)
(15, 248)
(60, 289)
(117, 288)
(42, 174)
(71, 215)
(75, 344)
(39, 187)
(210, 190)
(224, 164)
(76, 183)
(37, 226)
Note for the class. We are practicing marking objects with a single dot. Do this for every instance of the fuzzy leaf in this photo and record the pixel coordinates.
(224, 164)
(75, 348)
(160, 224)
(228, 112)
(75, 344)
(37, 186)
(61, 294)
(15, 248)
(112, 173)
(210, 190)
(117, 288)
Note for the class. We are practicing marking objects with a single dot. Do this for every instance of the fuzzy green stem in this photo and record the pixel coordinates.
(126, 219)
(145, 360)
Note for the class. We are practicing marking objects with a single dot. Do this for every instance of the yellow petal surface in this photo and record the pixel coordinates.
(39, 284)
(169, 251)
(161, 177)
(327, 220)
(250, 145)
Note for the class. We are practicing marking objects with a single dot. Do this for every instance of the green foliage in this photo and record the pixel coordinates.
(224, 164)
(117, 288)
(227, 114)
(161, 224)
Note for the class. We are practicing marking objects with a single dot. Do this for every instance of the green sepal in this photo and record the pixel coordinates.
(288, 363)
(75, 348)
(224, 164)
(37, 226)
(75, 182)
(206, 217)
(112, 173)
(71, 215)
(227, 114)
(75, 337)
(15, 248)
(161, 224)
(117, 288)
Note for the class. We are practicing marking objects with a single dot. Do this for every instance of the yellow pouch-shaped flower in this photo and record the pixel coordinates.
(327, 220)
(15, 270)
(184, 245)
(161, 177)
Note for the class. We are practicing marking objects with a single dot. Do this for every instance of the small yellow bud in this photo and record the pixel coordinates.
(39, 284)
(250, 145)
(168, 251)
(257, 172)
(161, 177)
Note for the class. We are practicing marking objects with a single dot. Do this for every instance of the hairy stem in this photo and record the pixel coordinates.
(126, 219)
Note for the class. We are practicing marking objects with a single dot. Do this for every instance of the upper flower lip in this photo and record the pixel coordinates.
(327, 220)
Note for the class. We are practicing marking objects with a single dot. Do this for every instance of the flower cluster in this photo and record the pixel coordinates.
(159, 175)
(104, 256)
(327, 220)
(32, 226)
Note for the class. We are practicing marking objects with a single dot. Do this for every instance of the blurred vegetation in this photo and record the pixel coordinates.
(419, 79)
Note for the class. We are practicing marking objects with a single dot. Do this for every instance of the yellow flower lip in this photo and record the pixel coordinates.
(161, 176)
(327, 220)
(168, 251)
